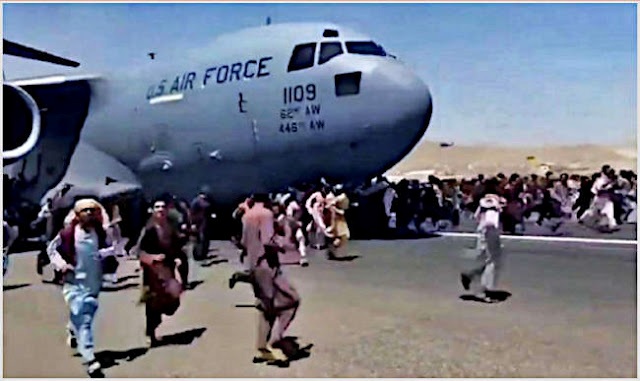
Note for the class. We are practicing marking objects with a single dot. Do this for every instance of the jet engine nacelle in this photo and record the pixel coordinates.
(21, 123)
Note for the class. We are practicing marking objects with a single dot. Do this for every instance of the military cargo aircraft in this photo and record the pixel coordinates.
(258, 110)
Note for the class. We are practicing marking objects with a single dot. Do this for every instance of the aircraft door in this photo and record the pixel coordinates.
(229, 127)
(250, 103)
(248, 117)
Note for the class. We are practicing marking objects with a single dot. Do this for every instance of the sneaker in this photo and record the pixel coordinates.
(269, 355)
(262, 355)
(304, 262)
(94, 369)
(279, 358)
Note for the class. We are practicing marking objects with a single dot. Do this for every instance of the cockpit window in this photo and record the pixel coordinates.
(302, 57)
(330, 33)
(328, 50)
(365, 47)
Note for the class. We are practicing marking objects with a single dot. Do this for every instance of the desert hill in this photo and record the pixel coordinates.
(465, 161)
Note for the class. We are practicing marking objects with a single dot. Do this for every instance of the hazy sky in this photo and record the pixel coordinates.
(515, 73)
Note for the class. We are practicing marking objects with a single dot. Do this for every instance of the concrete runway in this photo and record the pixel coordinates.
(395, 311)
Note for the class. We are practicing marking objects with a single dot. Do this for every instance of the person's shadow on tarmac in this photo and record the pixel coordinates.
(496, 296)
(109, 359)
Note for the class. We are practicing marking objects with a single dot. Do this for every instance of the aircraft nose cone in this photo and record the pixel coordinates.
(428, 110)
(396, 118)
(409, 94)
(407, 101)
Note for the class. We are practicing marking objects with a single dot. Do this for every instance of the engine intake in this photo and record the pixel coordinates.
(21, 122)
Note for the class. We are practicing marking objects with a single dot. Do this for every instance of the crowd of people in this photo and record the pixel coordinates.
(86, 248)
(604, 201)
(84, 242)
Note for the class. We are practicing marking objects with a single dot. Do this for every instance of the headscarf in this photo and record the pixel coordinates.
(85, 203)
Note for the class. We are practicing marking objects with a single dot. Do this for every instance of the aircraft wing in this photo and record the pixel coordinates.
(14, 49)
(42, 122)
(93, 173)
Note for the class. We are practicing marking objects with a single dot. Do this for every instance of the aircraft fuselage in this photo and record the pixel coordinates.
(237, 119)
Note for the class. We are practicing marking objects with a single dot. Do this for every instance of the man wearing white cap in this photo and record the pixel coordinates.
(487, 214)
(491, 250)
(76, 252)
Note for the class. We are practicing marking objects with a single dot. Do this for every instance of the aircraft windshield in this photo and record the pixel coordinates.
(302, 57)
(365, 47)
(328, 50)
